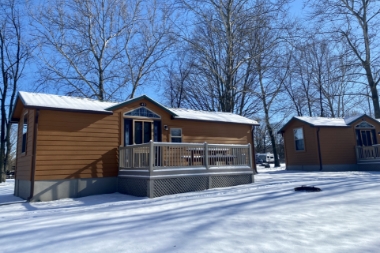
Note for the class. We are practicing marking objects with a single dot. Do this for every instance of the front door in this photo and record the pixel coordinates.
(143, 132)
(366, 137)
(140, 131)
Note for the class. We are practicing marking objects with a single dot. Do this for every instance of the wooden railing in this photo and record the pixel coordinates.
(162, 155)
(367, 153)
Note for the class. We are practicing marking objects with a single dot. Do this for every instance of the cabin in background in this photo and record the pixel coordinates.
(332, 144)
(73, 147)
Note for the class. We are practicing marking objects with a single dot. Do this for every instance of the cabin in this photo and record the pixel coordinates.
(73, 147)
(332, 144)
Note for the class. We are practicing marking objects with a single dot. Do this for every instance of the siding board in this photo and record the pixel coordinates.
(24, 160)
(76, 145)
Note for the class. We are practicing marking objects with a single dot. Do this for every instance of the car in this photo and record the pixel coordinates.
(265, 157)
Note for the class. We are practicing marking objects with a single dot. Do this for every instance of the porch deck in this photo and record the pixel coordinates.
(160, 168)
(368, 154)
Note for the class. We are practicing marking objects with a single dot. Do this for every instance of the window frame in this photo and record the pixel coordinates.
(134, 130)
(176, 136)
(125, 114)
(303, 139)
(24, 141)
(142, 119)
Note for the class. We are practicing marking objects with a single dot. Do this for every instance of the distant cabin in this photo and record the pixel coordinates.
(332, 144)
(74, 147)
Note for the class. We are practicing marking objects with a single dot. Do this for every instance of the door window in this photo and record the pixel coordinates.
(143, 132)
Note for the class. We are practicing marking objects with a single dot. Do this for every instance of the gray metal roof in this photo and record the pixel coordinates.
(51, 101)
(42, 100)
(211, 116)
(325, 122)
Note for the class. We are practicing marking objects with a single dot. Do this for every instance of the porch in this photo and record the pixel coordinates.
(161, 168)
(368, 154)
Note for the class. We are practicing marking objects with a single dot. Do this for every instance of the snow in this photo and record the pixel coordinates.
(211, 116)
(324, 121)
(74, 103)
(266, 216)
(63, 102)
(6, 193)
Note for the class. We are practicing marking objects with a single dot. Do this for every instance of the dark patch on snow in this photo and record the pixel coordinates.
(306, 188)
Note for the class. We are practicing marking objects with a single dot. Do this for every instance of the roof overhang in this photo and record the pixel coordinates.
(115, 107)
(20, 105)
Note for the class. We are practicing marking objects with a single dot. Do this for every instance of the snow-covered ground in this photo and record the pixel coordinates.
(267, 216)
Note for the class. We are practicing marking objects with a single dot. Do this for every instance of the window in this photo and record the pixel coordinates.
(141, 125)
(365, 134)
(24, 134)
(364, 124)
(176, 134)
(140, 131)
(142, 112)
(298, 139)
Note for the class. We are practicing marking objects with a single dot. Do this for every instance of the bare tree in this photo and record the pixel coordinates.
(14, 54)
(322, 78)
(100, 48)
(150, 43)
(216, 40)
(356, 24)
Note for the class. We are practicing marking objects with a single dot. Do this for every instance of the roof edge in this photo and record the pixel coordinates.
(14, 120)
(250, 124)
(112, 108)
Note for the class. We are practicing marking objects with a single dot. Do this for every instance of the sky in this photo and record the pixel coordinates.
(30, 75)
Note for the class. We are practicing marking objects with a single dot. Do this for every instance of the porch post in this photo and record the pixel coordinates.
(206, 155)
(250, 155)
(151, 157)
(150, 186)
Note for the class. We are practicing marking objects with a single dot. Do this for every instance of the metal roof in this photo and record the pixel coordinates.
(325, 122)
(51, 101)
(211, 116)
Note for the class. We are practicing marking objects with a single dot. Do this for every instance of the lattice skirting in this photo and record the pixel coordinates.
(167, 186)
(133, 186)
(225, 181)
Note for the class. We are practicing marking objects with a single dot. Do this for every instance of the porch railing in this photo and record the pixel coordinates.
(367, 153)
(164, 155)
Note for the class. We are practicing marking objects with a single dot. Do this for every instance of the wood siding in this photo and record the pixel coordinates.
(310, 155)
(195, 131)
(76, 145)
(337, 145)
(24, 160)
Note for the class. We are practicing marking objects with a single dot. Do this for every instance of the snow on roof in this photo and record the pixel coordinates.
(211, 116)
(85, 104)
(63, 102)
(323, 121)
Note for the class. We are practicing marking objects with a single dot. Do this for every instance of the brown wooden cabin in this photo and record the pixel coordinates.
(332, 144)
(74, 147)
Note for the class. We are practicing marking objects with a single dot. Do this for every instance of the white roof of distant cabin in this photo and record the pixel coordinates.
(323, 121)
(51, 101)
(211, 116)
(63, 102)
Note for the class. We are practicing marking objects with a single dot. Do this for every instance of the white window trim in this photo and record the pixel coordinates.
(175, 136)
(303, 138)
(141, 117)
(22, 132)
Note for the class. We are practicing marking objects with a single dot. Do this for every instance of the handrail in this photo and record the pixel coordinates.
(163, 155)
(366, 153)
